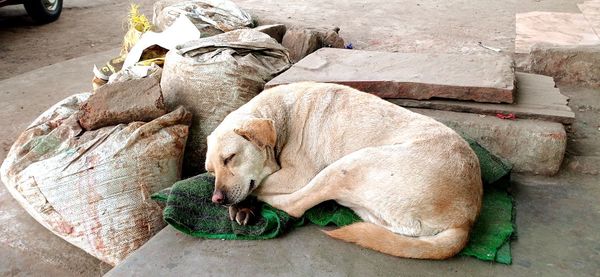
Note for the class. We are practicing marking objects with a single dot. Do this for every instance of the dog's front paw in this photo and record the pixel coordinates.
(243, 216)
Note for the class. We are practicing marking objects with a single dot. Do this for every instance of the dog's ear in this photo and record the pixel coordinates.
(260, 131)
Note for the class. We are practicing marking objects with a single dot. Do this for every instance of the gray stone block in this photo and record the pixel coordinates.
(536, 98)
(532, 146)
(124, 102)
(576, 65)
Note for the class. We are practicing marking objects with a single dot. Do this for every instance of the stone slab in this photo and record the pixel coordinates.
(482, 78)
(573, 65)
(536, 98)
(532, 146)
(566, 29)
(124, 102)
(591, 12)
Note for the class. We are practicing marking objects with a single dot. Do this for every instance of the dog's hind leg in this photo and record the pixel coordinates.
(414, 205)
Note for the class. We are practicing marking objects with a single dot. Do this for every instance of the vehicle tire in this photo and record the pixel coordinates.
(43, 11)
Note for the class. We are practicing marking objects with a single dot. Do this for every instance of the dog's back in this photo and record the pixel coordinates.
(406, 174)
(331, 121)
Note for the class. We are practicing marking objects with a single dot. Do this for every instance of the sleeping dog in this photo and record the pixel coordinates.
(415, 182)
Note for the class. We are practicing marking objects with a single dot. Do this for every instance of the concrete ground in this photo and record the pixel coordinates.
(557, 237)
(558, 216)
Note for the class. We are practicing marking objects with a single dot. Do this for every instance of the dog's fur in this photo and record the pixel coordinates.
(415, 182)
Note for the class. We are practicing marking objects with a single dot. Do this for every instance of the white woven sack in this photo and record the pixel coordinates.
(93, 188)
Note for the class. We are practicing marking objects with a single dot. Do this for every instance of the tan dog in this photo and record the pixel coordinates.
(415, 182)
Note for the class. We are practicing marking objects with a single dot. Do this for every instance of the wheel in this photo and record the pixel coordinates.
(43, 11)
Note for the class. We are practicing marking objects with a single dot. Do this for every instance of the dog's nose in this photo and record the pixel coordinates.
(218, 197)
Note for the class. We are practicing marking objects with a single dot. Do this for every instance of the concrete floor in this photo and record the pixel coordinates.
(557, 220)
(558, 217)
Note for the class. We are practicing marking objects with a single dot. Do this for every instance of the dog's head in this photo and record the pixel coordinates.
(240, 156)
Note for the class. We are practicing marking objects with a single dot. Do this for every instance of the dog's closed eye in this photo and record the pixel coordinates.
(228, 159)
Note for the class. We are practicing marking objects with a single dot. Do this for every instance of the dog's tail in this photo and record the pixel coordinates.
(440, 246)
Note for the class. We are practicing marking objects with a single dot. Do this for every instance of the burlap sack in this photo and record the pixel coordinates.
(93, 188)
(213, 76)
